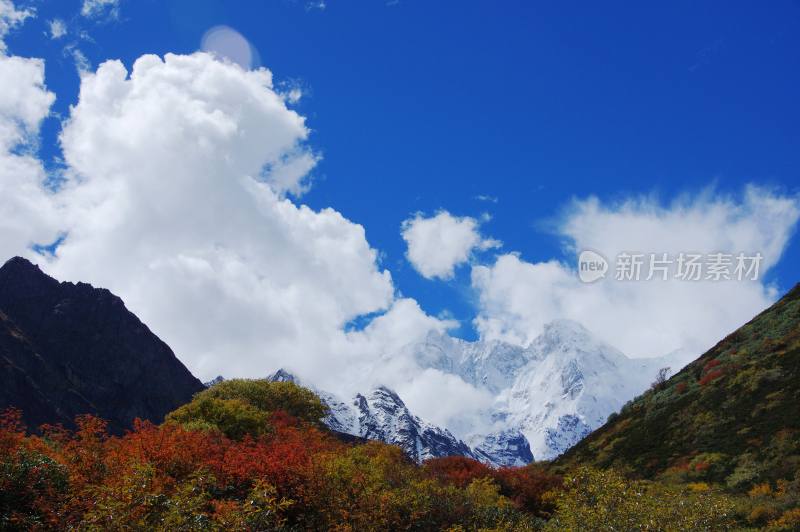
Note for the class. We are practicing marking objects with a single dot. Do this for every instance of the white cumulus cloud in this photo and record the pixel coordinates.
(177, 174)
(436, 245)
(168, 204)
(644, 318)
(175, 199)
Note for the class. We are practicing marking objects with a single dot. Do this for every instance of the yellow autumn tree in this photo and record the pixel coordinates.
(594, 499)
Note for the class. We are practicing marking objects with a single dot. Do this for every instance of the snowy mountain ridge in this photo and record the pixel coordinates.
(569, 387)
(547, 396)
(555, 391)
(382, 415)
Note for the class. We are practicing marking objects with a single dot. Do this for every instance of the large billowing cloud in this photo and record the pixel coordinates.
(642, 318)
(177, 175)
(178, 172)
(438, 244)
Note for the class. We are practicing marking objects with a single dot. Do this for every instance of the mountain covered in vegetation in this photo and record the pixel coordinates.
(70, 349)
(731, 417)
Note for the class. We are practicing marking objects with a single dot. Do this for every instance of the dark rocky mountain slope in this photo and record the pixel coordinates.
(68, 349)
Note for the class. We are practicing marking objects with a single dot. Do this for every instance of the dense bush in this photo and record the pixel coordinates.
(270, 396)
(241, 407)
(234, 459)
(457, 471)
(525, 487)
(232, 417)
(293, 476)
(605, 500)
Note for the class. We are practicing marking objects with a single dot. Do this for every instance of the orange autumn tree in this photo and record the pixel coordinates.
(261, 461)
(525, 487)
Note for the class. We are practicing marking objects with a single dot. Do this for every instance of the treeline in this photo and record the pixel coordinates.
(253, 455)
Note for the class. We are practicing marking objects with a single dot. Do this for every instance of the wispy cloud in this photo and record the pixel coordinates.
(319, 5)
(57, 28)
(100, 9)
(82, 62)
(486, 198)
(648, 317)
(10, 18)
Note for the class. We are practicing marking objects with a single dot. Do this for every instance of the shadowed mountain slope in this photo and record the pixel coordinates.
(68, 349)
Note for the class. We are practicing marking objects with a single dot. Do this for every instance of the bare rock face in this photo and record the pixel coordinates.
(69, 349)
(505, 448)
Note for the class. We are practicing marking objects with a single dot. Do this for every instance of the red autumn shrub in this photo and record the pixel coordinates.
(700, 467)
(526, 487)
(12, 430)
(712, 375)
(296, 475)
(456, 470)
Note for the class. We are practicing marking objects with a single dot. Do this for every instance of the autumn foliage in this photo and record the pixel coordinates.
(525, 487)
(234, 459)
(202, 470)
(710, 376)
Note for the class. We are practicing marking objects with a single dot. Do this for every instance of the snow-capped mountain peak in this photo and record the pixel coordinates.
(570, 337)
(506, 447)
(490, 364)
(556, 390)
(548, 395)
(382, 415)
(570, 385)
(282, 376)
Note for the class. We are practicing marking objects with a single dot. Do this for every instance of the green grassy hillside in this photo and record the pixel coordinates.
(731, 417)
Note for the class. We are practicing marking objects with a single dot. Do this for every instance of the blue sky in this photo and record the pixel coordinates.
(420, 106)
